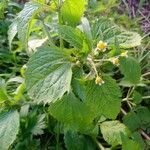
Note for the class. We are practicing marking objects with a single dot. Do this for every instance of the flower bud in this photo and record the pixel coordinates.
(115, 60)
(99, 80)
(124, 54)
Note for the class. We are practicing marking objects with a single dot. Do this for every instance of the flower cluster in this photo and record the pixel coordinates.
(101, 47)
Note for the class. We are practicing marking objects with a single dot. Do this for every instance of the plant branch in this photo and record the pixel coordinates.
(100, 146)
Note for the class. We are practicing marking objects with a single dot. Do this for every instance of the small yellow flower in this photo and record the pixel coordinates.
(99, 80)
(101, 46)
(114, 60)
(124, 54)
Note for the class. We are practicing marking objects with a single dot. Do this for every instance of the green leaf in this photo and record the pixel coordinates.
(3, 6)
(71, 35)
(104, 29)
(38, 125)
(132, 121)
(48, 75)
(131, 70)
(129, 39)
(72, 11)
(12, 32)
(138, 119)
(143, 114)
(137, 97)
(138, 138)
(130, 144)
(72, 112)
(3, 92)
(9, 127)
(112, 132)
(25, 18)
(74, 141)
(85, 26)
(103, 99)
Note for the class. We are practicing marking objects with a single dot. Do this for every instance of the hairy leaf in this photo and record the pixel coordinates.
(48, 75)
(39, 125)
(74, 141)
(130, 144)
(71, 35)
(104, 99)
(72, 112)
(112, 131)
(72, 10)
(25, 17)
(9, 126)
(104, 29)
(132, 121)
(131, 70)
(12, 32)
(136, 136)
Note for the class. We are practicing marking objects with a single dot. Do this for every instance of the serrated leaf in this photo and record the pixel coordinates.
(129, 39)
(9, 127)
(72, 11)
(137, 97)
(132, 121)
(138, 119)
(143, 114)
(71, 35)
(72, 112)
(25, 18)
(48, 75)
(39, 125)
(128, 144)
(138, 138)
(131, 70)
(103, 99)
(74, 141)
(12, 32)
(112, 132)
(104, 29)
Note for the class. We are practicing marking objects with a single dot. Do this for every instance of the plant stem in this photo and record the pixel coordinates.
(100, 146)
(146, 74)
(145, 135)
(145, 97)
(92, 65)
